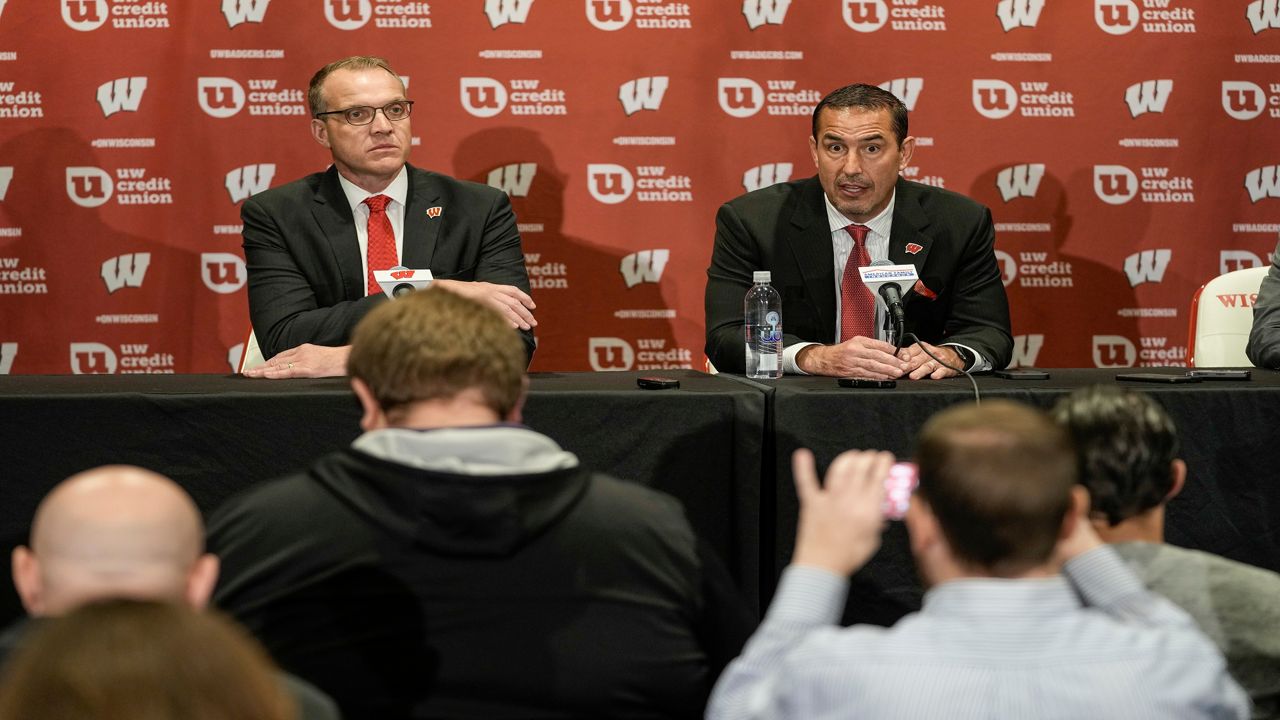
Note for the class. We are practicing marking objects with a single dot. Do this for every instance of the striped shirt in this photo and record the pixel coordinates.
(983, 648)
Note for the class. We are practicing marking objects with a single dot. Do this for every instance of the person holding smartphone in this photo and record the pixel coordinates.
(1028, 615)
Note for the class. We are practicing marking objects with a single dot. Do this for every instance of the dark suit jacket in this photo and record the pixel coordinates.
(305, 279)
(1264, 338)
(783, 228)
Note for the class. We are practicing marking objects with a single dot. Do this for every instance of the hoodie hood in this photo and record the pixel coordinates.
(475, 491)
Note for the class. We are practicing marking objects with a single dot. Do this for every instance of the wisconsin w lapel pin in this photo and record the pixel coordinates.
(913, 248)
(434, 212)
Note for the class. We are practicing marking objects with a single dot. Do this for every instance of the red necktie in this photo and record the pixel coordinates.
(857, 304)
(382, 239)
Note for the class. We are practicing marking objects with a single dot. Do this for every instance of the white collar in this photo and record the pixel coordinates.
(880, 224)
(398, 190)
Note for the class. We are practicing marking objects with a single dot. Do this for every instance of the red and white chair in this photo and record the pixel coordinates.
(1221, 317)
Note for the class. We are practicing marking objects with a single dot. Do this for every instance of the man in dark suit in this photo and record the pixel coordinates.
(813, 235)
(312, 246)
(1263, 348)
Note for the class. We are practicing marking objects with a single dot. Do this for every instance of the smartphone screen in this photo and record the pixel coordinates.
(898, 486)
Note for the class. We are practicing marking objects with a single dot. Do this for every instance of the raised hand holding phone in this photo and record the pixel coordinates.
(840, 520)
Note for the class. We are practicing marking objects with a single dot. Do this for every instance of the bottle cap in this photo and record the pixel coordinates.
(761, 276)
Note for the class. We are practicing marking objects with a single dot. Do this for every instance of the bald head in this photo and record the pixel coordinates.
(114, 531)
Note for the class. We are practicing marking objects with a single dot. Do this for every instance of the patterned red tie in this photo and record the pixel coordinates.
(382, 239)
(857, 304)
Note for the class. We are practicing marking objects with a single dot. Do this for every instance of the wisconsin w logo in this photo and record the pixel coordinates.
(1147, 96)
(243, 11)
(1263, 182)
(765, 175)
(905, 89)
(1019, 180)
(1263, 15)
(642, 94)
(1018, 13)
(762, 12)
(644, 266)
(125, 271)
(1147, 266)
(249, 180)
(501, 12)
(1026, 348)
(121, 94)
(513, 180)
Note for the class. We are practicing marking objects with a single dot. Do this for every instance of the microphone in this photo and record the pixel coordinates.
(887, 280)
(400, 280)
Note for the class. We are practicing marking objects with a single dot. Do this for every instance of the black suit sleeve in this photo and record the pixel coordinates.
(282, 302)
(979, 313)
(733, 259)
(501, 259)
(1264, 337)
(738, 252)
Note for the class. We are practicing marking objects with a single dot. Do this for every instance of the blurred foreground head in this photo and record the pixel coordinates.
(141, 660)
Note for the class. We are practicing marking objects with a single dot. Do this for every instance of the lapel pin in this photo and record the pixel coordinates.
(434, 212)
(913, 248)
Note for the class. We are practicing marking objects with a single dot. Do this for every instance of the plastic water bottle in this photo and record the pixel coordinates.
(762, 324)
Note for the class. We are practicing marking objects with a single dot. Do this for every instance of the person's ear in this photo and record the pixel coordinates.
(908, 150)
(26, 579)
(1178, 471)
(516, 415)
(319, 132)
(373, 417)
(1077, 513)
(201, 581)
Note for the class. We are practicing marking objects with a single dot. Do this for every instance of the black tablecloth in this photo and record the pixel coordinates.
(1230, 506)
(216, 435)
(720, 444)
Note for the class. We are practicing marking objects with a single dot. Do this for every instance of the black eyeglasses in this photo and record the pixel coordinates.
(363, 114)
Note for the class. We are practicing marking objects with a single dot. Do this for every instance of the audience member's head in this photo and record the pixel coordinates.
(138, 660)
(1128, 451)
(438, 348)
(114, 531)
(996, 483)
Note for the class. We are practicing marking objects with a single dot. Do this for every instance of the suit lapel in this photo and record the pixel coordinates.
(420, 229)
(908, 244)
(809, 238)
(333, 215)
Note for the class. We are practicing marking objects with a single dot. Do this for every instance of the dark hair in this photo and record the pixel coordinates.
(315, 90)
(1125, 443)
(865, 97)
(140, 660)
(435, 344)
(998, 477)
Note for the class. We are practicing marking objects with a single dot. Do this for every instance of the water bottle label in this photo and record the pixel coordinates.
(768, 363)
(773, 332)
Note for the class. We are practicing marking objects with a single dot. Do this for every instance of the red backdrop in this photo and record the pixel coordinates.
(1128, 149)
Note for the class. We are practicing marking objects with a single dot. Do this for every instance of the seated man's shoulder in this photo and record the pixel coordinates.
(777, 194)
(465, 190)
(302, 190)
(942, 200)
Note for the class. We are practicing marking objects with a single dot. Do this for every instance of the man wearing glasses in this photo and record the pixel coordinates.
(312, 245)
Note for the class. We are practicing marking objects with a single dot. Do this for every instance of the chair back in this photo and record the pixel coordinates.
(1221, 317)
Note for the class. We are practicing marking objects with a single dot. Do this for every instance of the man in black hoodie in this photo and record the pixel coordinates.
(454, 563)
